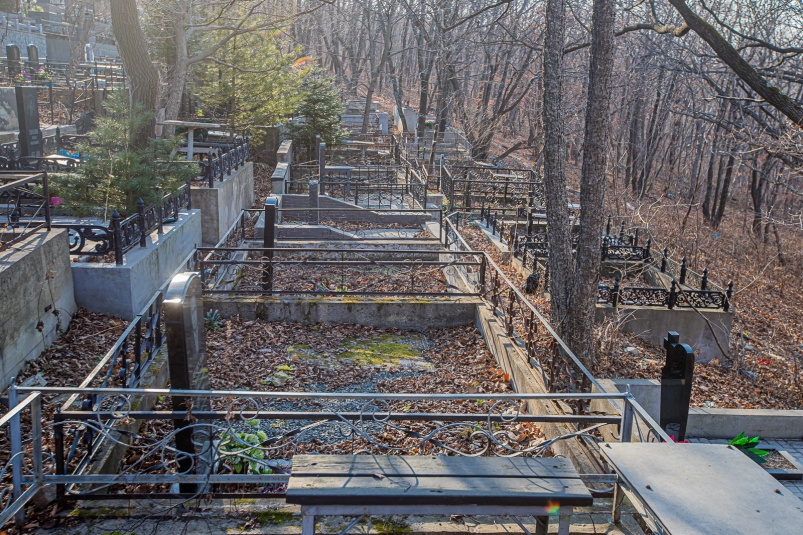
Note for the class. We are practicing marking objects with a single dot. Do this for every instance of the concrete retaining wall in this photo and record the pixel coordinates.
(221, 205)
(122, 291)
(285, 152)
(323, 232)
(713, 422)
(652, 324)
(280, 177)
(401, 313)
(36, 298)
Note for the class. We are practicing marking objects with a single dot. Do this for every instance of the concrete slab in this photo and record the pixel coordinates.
(221, 205)
(400, 313)
(36, 298)
(122, 291)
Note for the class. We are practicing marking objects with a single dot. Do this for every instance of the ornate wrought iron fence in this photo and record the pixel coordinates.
(675, 297)
(122, 235)
(24, 209)
(221, 159)
(248, 439)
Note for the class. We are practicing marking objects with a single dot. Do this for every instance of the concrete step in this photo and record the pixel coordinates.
(275, 517)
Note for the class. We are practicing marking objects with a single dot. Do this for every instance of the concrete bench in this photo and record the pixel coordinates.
(359, 485)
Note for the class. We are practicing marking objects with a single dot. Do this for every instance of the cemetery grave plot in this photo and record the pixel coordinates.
(342, 229)
(297, 276)
(289, 357)
(766, 351)
(67, 362)
(717, 384)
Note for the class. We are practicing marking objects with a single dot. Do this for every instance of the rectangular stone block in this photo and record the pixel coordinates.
(36, 298)
(122, 291)
(222, 204)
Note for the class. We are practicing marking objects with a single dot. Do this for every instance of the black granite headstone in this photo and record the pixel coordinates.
(33, 57)
(676, 378)
(31, 142)
(186, 357)
(13, 60)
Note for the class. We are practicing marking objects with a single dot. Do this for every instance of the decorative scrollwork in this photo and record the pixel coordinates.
(102, 238)
(700, 299)
(643, 297)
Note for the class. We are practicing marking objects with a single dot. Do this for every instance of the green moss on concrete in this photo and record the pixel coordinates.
(390, 526)
(98, 513)
(274, 518)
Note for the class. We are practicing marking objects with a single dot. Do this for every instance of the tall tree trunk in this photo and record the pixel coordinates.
(561, 268)
(178, 76)
(141, 72)
(593, 182)
(756, 194)
(709, 179)
(723, 196)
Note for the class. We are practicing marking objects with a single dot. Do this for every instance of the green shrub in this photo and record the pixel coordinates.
(114, 174)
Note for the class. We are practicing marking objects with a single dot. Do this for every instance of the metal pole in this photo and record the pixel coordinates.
(313, 203)
(46, 193)
(118, 243)
(626, 427)
(16, 452)
(268, 243)
(141, 212)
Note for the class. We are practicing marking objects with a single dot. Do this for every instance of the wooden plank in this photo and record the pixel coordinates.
(411, 490)
(425, 466)
(411, 480)
(705, 489)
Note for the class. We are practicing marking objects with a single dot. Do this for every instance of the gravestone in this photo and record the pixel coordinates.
(183, 310)
(9, 120)
(676, 379)
(31, 140)
(13, 60)
(33, 57)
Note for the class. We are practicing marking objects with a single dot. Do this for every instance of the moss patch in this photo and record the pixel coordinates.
(379, 351)
(274, 517)
(382, 350)
(390, 526)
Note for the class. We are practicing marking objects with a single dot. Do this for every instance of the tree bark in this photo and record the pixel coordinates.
(141, 72)
(561, 268)
(178, 77)
(593, 182)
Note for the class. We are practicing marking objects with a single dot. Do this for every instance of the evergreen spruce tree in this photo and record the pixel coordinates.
(321, 107)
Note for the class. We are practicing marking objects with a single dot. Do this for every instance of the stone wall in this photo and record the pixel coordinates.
(391, 312)
(222, 204)
(280, 177)
(704, 330)
(36, 298)
(122, 291)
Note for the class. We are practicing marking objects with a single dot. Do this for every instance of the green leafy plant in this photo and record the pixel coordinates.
(236, 449)
(750, 447)
(212, 320)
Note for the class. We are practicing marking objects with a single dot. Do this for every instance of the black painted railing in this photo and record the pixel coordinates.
(24, 210)
(123, 234)
(220, 159)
